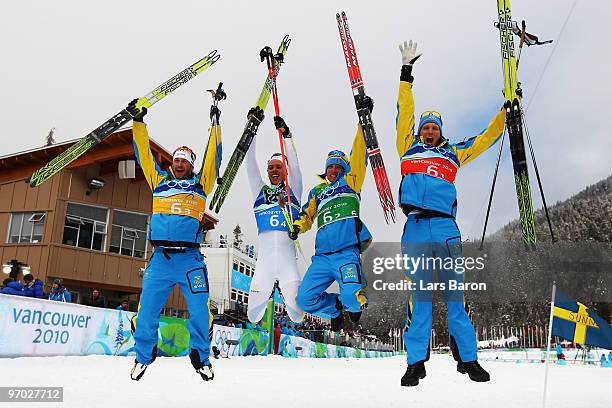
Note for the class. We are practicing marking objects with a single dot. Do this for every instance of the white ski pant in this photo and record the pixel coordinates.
(276, 260)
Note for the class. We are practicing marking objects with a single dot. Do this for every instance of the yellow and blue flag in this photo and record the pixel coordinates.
(575, 322)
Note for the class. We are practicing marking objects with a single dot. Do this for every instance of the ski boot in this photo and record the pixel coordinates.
(138, 371)
(216, 352)
(414, 373)
(206, 372)
(474, 370)
(354, 316)
(337, 323)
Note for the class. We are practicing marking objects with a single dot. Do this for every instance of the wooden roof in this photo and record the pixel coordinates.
(117, 146)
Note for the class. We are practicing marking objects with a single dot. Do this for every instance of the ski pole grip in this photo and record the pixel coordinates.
(265, 53)
(220, 93)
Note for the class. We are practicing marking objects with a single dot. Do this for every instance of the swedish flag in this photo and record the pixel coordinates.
(575, 322)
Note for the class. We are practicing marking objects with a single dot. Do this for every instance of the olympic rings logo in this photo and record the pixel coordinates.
(220, 339)
(184, 184)
(440, 150)
(328, 191)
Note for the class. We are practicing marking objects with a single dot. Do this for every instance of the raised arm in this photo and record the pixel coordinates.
(293, 164)
(142, 148)
(471, 148)
(293, 168)
(358, 161)
(212, 160)
(405, 99)
(252, 168)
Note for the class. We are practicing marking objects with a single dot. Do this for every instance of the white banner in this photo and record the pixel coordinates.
(221, 334)
(36, 327)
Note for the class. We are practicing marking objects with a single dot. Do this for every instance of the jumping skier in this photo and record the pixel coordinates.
(179, 196)
(341, 236)
(428, 197)
(277, 257)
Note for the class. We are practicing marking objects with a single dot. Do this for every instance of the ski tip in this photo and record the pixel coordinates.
(337, 15)
(32, 183)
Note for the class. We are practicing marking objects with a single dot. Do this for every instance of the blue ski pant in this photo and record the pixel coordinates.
(437, 241)
(343, 267)
(163, 272)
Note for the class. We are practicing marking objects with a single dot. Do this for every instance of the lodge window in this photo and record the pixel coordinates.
(129, 234)
(26, 227)
(240, 296)
(85, 226)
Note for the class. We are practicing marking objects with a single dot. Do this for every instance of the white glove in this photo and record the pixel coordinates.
(408, 50)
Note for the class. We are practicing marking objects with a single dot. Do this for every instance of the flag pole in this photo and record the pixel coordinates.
(550, 322)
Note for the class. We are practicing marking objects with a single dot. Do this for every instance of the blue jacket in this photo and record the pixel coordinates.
(60, 295)
(35, 291)
(342, 229)
(428, 173)
(178, 205)
(13, 288)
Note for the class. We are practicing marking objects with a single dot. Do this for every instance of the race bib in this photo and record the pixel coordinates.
(436, 167)
(180, 204)
(340, 207)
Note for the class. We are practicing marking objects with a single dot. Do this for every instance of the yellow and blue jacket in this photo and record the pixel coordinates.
(428, 173)
(178, 204)
(335, 206)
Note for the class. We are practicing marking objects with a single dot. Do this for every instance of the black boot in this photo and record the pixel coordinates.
(138, 371)
(414, 373)
(354, 316)
(337, 323)
(474, 370)
(206, 372)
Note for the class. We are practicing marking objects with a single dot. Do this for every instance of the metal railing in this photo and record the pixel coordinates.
(248, 250)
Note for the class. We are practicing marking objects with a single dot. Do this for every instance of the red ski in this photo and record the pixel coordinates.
(365, 118)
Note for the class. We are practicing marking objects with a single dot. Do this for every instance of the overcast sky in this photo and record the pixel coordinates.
(73, 64)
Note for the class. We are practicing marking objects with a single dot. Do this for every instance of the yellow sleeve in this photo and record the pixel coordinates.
(471, 148)
(308, 214)
(405, 118)
(142, 150)
(358, 162)
(212, 160)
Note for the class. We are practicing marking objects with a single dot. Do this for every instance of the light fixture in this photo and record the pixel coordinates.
(94, 184)
(13, 268)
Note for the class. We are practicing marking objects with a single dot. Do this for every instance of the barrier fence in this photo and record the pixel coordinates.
(36, 327)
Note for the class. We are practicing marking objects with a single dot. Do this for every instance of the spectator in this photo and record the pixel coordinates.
(125, 306)
(277, 335)
(33, 287)
(95, 299)
(59, 292)
(560, 355)
(12, 287)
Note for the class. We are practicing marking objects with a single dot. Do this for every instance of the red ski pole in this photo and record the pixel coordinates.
(266, 53)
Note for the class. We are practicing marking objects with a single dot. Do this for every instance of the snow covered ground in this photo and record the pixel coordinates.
(103, 381)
